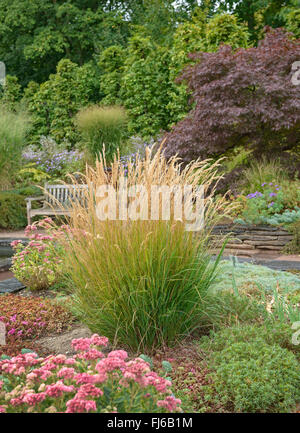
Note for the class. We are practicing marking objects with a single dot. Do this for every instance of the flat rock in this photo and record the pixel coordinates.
(5, 247)
(56, 344)
(11, 285)
(266, 244)
(258, 238)
(240, 246)
(5, 264)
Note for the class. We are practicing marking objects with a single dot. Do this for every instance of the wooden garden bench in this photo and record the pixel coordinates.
(56, 200)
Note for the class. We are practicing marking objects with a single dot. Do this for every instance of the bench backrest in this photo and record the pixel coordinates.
(64, 194)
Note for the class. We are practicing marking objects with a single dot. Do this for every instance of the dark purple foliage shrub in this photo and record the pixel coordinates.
(241, 97)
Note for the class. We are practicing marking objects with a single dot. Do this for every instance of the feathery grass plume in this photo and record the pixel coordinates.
(265, 170)
(13, 130)
(142, 282)
(102, 127)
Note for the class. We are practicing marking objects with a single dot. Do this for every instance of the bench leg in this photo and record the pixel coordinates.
(28, 214)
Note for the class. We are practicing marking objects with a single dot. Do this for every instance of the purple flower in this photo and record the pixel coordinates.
(272, 194)
(270, 204)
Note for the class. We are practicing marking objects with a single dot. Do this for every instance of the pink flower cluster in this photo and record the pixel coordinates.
(38, 264)
(61, 384)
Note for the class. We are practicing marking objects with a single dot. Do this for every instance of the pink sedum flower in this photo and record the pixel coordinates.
(57, 389)
(32, 399)
(74, 385)
(80, 406)
(170, 403)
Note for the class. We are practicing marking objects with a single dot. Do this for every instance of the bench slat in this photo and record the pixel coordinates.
(63, 194)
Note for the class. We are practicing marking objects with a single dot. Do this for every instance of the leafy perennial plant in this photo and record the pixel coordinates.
(38, 265)
(270, 205)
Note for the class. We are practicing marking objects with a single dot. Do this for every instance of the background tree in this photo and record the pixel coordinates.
(199, 34)
(241, 98)
(291, 17)
(36, 34)
(55, 103)
(145, 86)
(259, 13)
(10, 94)
(111, 64)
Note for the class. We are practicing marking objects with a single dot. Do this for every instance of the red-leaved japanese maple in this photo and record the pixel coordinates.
(244, 97)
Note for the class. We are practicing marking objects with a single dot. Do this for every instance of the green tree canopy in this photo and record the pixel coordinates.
(36, 34)
(54, 104)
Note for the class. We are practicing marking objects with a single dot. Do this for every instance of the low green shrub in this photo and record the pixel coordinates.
(12, 211)
(227, 309)
(271, 333)
(286, 218)
(26, 191)
(271, 203)
(254, 280)
(257, 377)
(251, 370)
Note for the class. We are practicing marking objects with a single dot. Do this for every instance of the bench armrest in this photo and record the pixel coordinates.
(30, 199)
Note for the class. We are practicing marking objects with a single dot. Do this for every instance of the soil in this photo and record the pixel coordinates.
(6, 275)
(27, 293)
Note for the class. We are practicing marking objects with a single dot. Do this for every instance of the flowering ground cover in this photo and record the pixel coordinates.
(87, 382)
(28, 318)
(272, 203)
(190, 377)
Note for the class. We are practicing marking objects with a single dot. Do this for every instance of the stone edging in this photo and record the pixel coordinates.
(249, 240)
(5, 247)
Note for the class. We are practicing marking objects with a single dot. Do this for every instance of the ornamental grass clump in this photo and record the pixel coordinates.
(13, 130)
(102, 126)
(142, 282)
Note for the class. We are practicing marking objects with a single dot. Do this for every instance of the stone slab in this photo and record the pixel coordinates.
(12, 285)
(5, 247)
(281, 243)
(5, 264)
